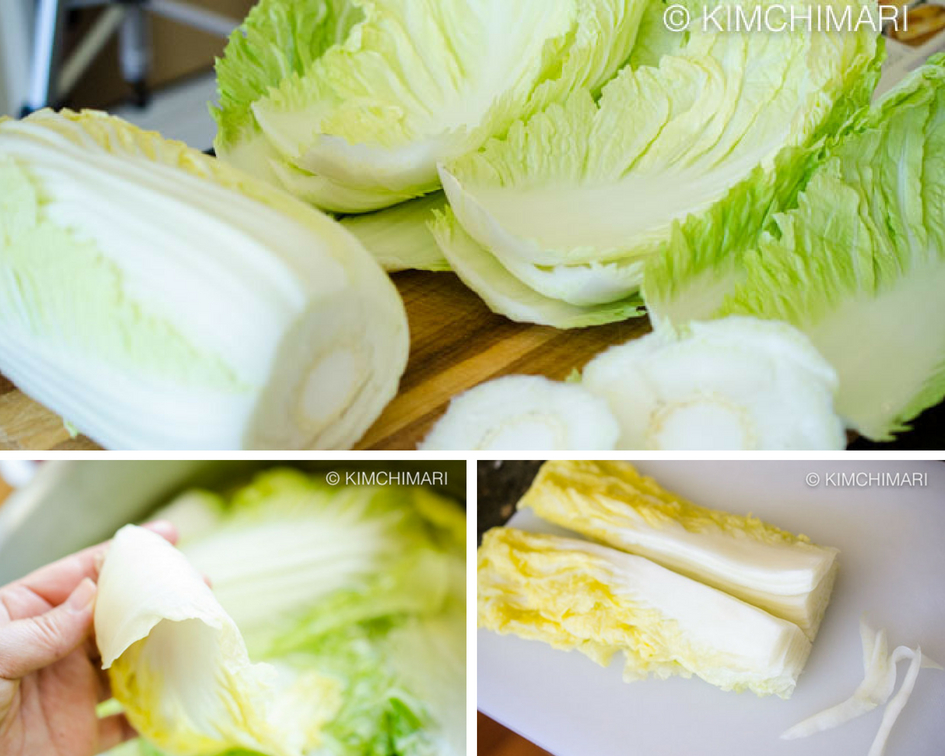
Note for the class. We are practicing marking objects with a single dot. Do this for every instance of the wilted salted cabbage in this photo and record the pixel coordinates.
(353, 597)
(177, 662)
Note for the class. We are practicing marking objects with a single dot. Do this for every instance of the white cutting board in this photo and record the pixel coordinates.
(892, 568)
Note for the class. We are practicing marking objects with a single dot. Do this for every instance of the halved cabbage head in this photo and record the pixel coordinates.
(573, 201)
(156, 298)
(577, 595)
(782, 573)
(177, 662)
(737, 383)
(858, 265)
(350, 104)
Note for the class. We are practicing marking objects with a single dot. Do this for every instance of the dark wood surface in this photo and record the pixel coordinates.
(495, 740)
(456, 343)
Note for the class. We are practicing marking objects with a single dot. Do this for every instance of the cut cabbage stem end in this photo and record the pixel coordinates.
(525, 412)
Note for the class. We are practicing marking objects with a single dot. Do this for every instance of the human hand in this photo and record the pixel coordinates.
(50, 671)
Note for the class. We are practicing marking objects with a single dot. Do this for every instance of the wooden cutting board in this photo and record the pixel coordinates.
(456, 343)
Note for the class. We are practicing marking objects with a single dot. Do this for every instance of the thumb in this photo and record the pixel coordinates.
(28, 645)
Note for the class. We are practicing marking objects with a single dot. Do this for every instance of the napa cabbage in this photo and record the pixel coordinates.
(577, 595)
(715, 130)
(858, 264)
(353, 596)
(783, 573)
(350, 104)
(156, 298)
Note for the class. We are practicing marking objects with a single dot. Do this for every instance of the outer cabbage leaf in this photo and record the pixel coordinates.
(589, 184)
(858, 264)
(400, 237)
(157, 298)
(350, 104)
(508, 295)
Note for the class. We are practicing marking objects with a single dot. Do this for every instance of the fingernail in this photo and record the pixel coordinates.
(82, 596)
(164, 528)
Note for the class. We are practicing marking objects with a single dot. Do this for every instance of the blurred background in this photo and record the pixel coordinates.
(51, 509)
(150, 61)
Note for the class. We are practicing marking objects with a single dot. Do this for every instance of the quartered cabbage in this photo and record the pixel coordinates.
(858, 264)
(158, 299)
(177, 662)
(355, 596)
(737, 383)
(782, 573)
(581, 596)
(350, 104)
(714, 132)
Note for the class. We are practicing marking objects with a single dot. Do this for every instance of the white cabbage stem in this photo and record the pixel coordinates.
(875, 690)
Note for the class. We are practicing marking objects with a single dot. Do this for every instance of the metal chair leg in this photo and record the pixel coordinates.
(50, 21)
(134, 44)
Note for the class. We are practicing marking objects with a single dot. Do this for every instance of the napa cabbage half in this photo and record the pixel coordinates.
(858, 264)
(715, 131)
(156, 298)
(350, 104)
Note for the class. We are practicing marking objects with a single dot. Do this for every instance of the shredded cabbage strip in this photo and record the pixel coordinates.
(877, 687)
